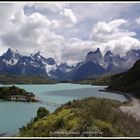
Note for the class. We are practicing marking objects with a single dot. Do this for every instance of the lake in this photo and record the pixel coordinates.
(13, 115)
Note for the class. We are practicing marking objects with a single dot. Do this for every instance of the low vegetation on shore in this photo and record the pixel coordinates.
(101, 80)
(88, 117)
(22, 79)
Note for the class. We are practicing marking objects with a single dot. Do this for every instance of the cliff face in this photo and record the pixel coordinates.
(128, 81)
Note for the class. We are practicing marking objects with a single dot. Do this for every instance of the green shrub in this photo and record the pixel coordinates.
(41, 112)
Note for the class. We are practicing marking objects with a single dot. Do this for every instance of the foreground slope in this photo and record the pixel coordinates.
(87, 117)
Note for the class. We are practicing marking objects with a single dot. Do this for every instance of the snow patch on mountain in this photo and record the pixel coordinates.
(50, 68)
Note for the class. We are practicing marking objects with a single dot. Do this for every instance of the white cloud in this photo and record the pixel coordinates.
(63, 16)
(68, 18)
(33, 33)
(7, 11)
(110, 36)
(137, 20)
(18, 17)
(122, 45)
(104, 32)
(100, 11)
(75, 50)
(36, 32)
(54, 7)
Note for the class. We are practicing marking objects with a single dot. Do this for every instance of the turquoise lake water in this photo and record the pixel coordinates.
(13, 115)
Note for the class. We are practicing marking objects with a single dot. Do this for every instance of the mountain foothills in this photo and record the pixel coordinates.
(95, 63)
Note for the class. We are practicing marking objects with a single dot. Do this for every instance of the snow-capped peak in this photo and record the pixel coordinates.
(10, 53)
(50, 61)
(10, 57)
(36, 55)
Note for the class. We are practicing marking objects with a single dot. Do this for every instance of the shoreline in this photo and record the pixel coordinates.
(104, 90)
(130, 107)
(33, 101)
(128, 96)
(3, 134)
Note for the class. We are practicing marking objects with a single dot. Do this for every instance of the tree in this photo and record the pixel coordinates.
(41, 112)
(13, 87)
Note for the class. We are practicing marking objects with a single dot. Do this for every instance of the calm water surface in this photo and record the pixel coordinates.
(13, 115)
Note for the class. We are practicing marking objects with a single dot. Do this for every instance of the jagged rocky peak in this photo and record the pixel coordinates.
(132, 53)
(10, 51)
(109, 53)
(36, 55)
(51, 61)
(132, 56)
(9, 54)
(97, 51)
(94, 52)
(64, 66)
(108, 56)
(95, 56)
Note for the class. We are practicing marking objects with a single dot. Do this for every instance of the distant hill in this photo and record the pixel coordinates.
(21, 79)
(128, 81)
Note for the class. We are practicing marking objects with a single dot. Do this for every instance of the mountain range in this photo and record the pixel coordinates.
(95, 63)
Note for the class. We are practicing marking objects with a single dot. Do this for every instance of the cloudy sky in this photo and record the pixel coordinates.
(68, 31)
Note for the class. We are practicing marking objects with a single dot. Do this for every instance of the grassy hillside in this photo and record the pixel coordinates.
(20, 79)
(128, 81)
(84, 118)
